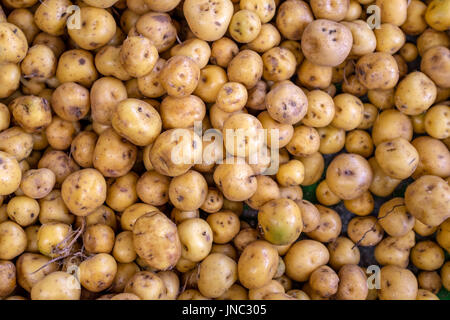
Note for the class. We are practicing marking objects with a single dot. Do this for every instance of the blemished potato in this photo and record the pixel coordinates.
(98, 238)
(223, 51)
(430, 280)
(173, 117)
(280, 221)
(324, 281)
(365, 231)
(196, 239)
(196, 49)
(427, 200)
(23, 210)
(17, 45)
(208, 20)
(134, 212)
(361, 206)
(259, 293)
(32, 113)
(153, 188)
(51, 238)
(13, 240)
(397, 284)
(218, 273)
(257, 264)
(378, 70)
(187, 192)
(397, 158)
(245, 26)
(180, 76)
(124, 273)
(310, 215)
(332, 139)
(39, 63)
(97, 273)
(146, 285)
(349, 112)
(268, 37)
(394, 218)
(314, 76)
(213, 202)
(71, 101)
(314, 166)
(326, 43)
(224, 225)
(349, 176)
(156, 240)
(436, 64)
(330, 225)
(246, 68)
(391, 124)
(16, 142)
(113, 155)
(122, 193)
(123, 250)
(343, 252)
(352, 283)
(236, 180)
(8, 278)
(84, 191)
(103, 105)
(137, 121)
(78, 67)
(305, 142)
(138, 56)
(443, 235)
(53, 209)
(393, 251)
(57, 286)
(321, 109)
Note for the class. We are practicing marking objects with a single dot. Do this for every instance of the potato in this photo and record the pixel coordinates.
(257, 264)
(324, 281)
(445, 275)
(156, 240)
(279, 64)
(16, 142)
(436, 120)
(13, 240)
(391, 124)
(314, 166)
(31, 268)
(280, 221)
(196, 49)
(235, 292)
(236, 180)
(357, 172)
(51, 238)
(78, 66)
(292, 19)
(8, 278)
(110, 147)
(208, 21)
(137, 121)
(32, 113)
(430, 280)
(224, 225)
(50, 17)
(435, 16)
(84, 191)
(394, 218)
(427, 200)
(343, 252)
(10, 77)
(443, 235)
(217, 274)
(97, 273)
(23, 210)
(242, 135)
(352, 284)
(365, 231)
(427, 255)
(359, 142)
(124, 273)
(53, 209)
(382, 184)
(321, 109)
(423, 229)
(223, 51)
(104, 105)
(377, 70)
(138, 56)
(397, 284)
(259, 293)
(326, 43)
(397, 158)
(174, 151)
(188, 191)
(196, 239)
(14, 43)
(171, 282)
(31, 233)
(213, 202)
(364, 39)
(245, 26)
(415, 94)
(98, 238)
(147, 286)
(436, 65)
(191, 294)
(246, 68)
(303, 258)
(153, 188)
(268, 37)
(172, 117)
(133, 212)
(305, 142)
(349, 112)
(122, 193)
(57, 286)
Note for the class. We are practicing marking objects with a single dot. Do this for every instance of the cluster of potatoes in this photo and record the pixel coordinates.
(93, 205)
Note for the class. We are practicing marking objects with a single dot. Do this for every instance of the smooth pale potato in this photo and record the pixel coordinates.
(13, 240)
(397, 158)
(303, 257)
(397, 284)
(343, 252)
(427, 199)
(427, 255)
(57, 286)
(10, 174)
(196, 239)
(218, 273)
(257, 264)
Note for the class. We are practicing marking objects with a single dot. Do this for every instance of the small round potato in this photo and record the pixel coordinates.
(365, 231)
(153, 188)
(352, 283)
(14, 43)
(235, 179)
(13, 240)
(188, 191)
(324, 281)
(330, 225)
(37, 183)
(196, 239)
(397, 158)
(70, 101)
(146, 285)
(427, 255)
(224, 225)
(436, 64)
(378, 70)
(23, 210)
(343, 252)
(97, 272)
(246, 67)
(245, 26)
(138, 56)
(436, 121)
(10, 174)
(292, 19)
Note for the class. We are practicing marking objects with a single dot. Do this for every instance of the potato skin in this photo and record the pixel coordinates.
(57, 286)
(217, 274)
(428, 200)
(7, 277)
(156, 240)
(397, 284)
(352, 284)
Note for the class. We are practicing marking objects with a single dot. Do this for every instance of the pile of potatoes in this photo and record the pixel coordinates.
(93, 94)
